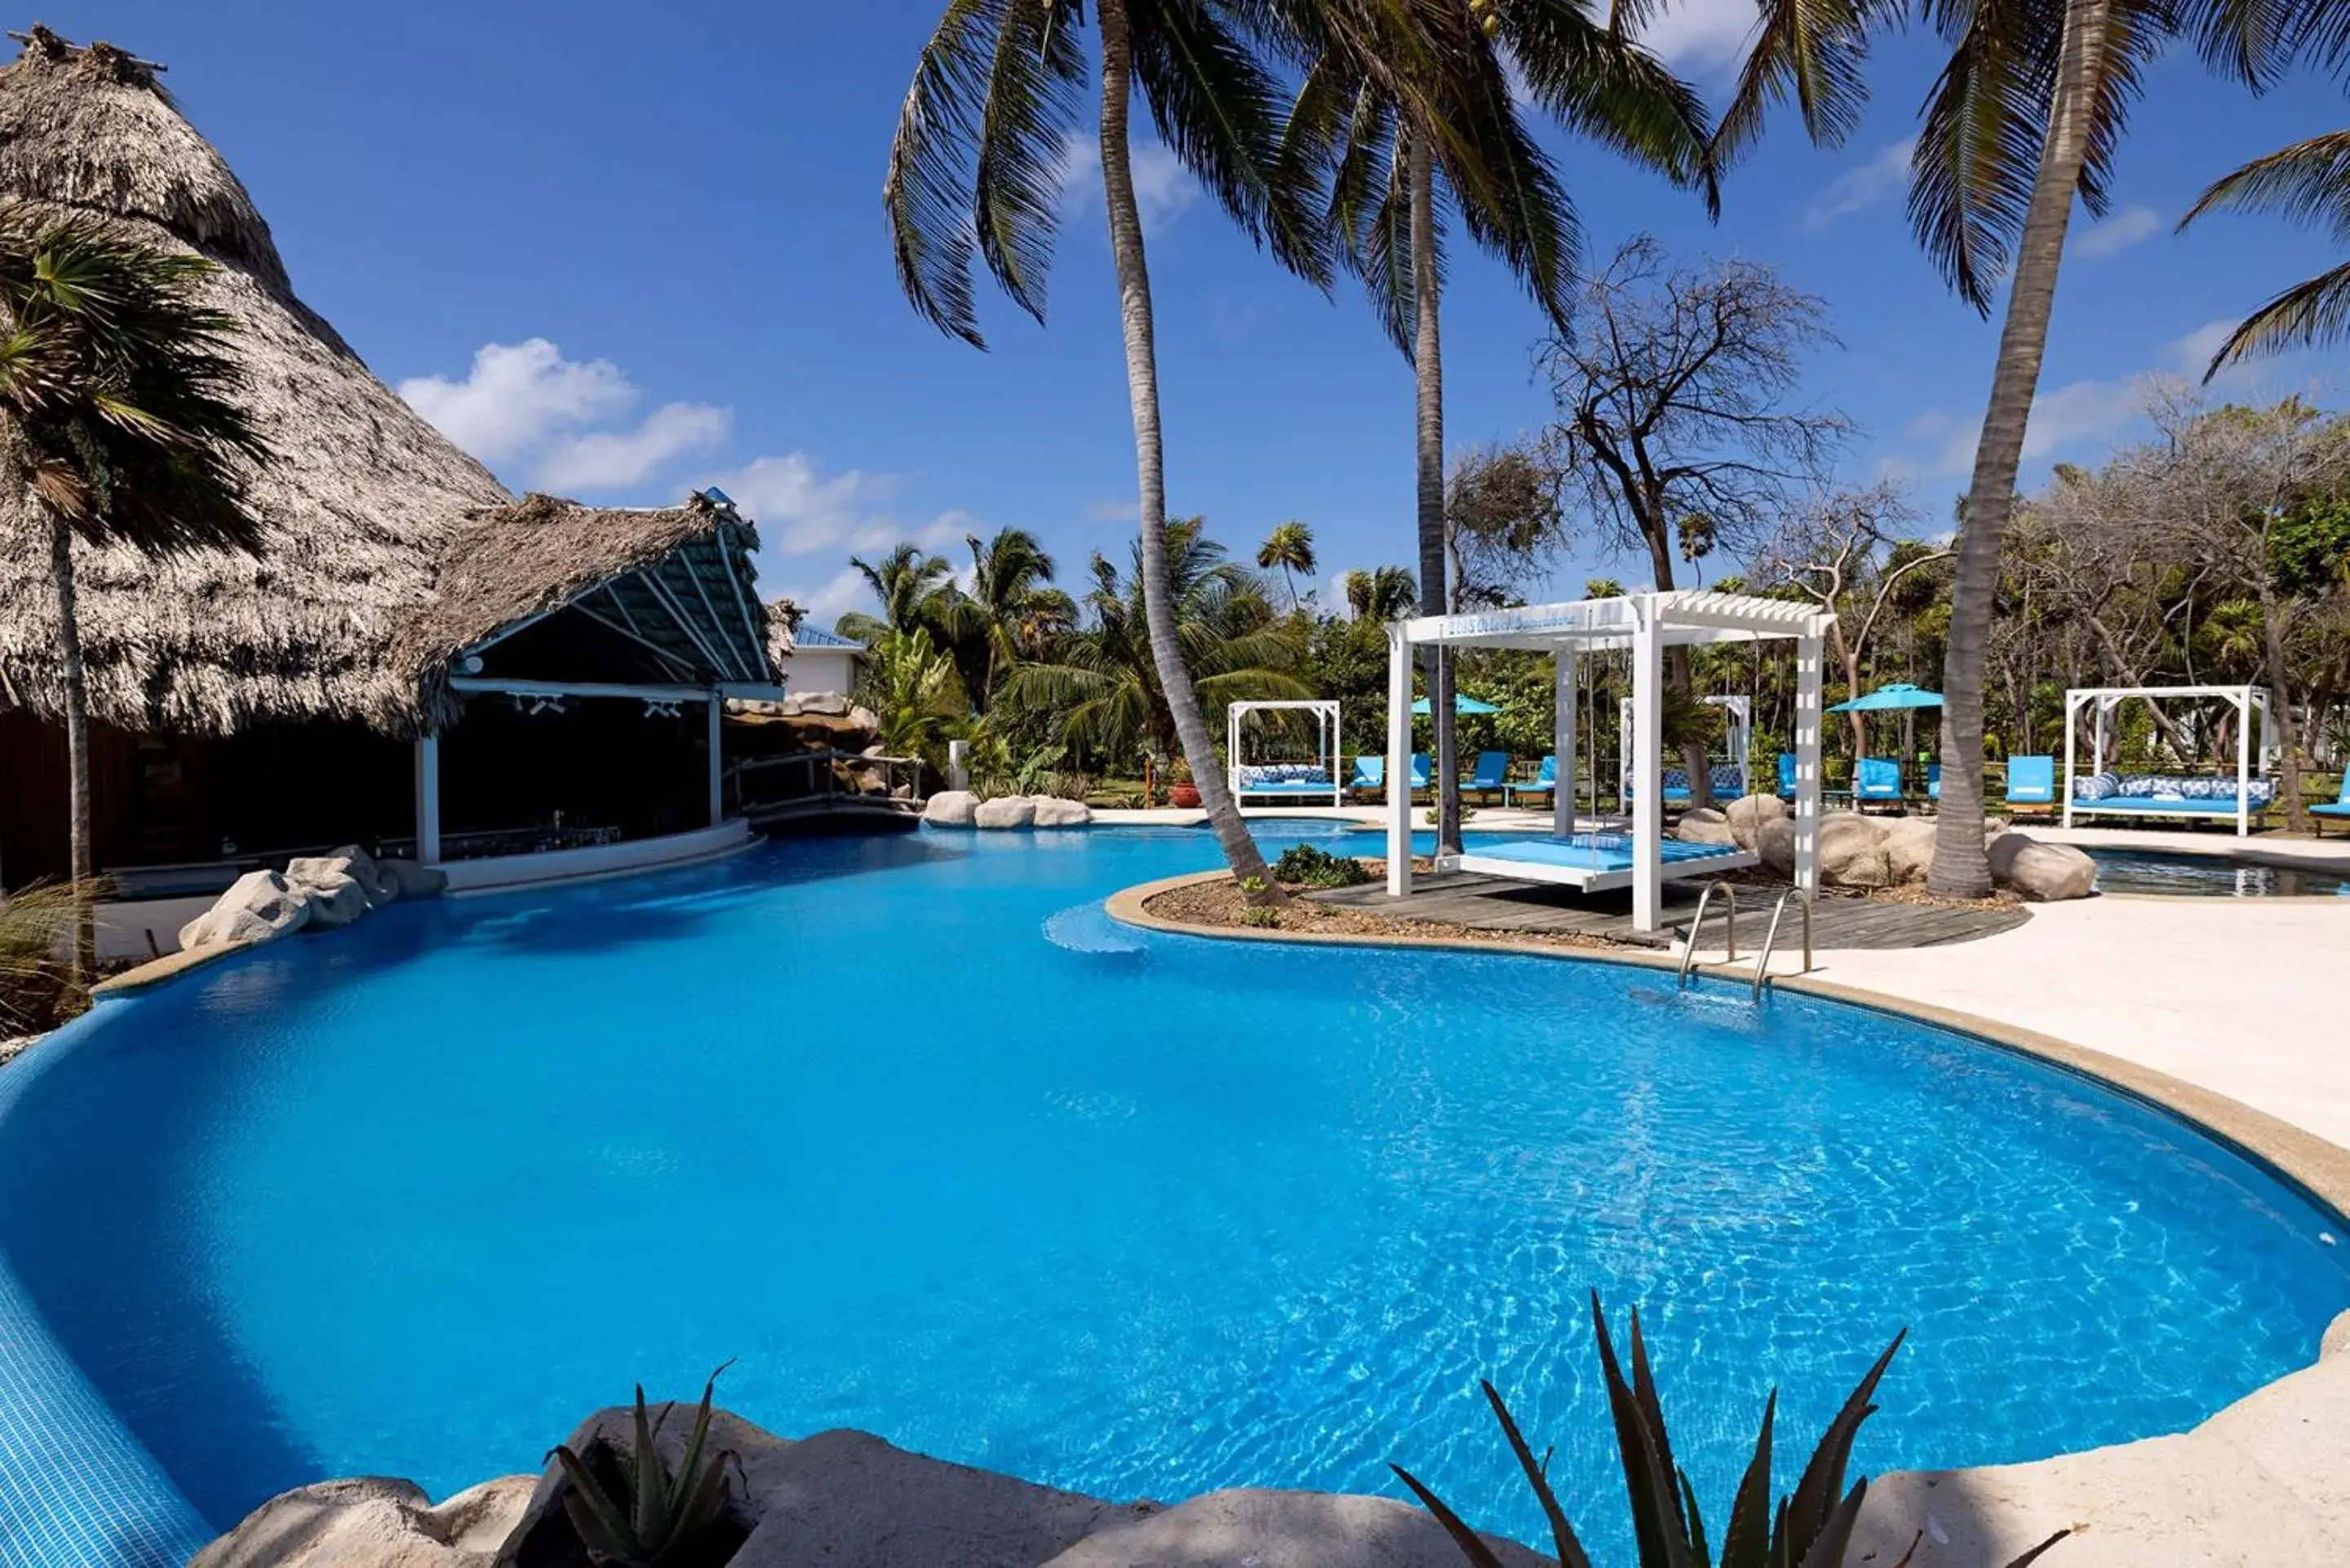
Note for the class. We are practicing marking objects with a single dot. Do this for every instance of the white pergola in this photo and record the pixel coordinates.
(1325, 733)
(2249, 701)
(1739, 711)
(1647, 623)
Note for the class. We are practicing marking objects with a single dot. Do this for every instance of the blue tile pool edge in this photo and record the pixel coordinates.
(77, 1488)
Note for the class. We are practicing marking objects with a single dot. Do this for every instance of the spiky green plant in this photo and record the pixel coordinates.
(659, 1515)
(38, 989)
(1811, 1528)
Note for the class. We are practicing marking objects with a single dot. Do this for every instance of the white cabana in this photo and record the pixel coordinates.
(1738, 710)
(1647, 623)
(1293, 783)
(2168, 794)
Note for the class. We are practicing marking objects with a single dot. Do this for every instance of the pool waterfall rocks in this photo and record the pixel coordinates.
(1323, 1190)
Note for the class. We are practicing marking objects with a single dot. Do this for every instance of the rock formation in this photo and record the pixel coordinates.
(317, 891)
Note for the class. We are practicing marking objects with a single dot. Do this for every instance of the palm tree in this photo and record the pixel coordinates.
(1396, 96)
(1104, 685)
(977, 163)
(1383, 595)
(2025, 119)
(2308, 182)
(916, 692)
(117, 422)
(1014, 611)
(1290, 546)
(915, 589)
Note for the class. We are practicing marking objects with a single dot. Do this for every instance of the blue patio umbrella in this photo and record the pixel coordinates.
(1465, 704)
(1900, 694)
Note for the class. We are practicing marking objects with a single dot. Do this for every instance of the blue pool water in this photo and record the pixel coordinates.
(916, 1135)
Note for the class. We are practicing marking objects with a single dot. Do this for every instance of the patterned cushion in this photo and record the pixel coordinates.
(2097, 786)
(1256, 774)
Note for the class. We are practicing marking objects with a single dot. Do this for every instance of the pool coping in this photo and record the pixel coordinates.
(2320, 1169)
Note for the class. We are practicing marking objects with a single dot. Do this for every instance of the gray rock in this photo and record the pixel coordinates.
(1252, 1529)
(1007, 810)
(1703, 824)
(865, 718)
(372, 1523)
(1749, 813)
(1052, 811)
(379, 884)
(258, 906)
(950, 809)
(2044, 873)
(1774, 841)
(414, 881)
(1908, 847)
(335, 900)
(823, 704)
(846, 1499)
(1852, 851)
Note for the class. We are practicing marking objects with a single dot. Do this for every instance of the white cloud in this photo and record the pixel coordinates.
(516, 395)
(608, 460)
(1864, 185)
(1162, 188)
(826, 602)
(2191, 353)
(1700, 38)
(801, 511)
(2125, 228)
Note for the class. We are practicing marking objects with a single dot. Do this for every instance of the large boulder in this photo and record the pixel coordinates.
(1774, 841)
(1704, 824)
(258, 906)
(2044, 873)
(1852, 851)
(414, 881)
(1908, 847)
(1006, 811)
(1749, 813)
(950, 809)
(332, 882)
(1254, 1529)
(375, 1522)
(1052, 811)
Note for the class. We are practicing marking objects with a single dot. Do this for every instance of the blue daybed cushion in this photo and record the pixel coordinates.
(1302, 776)
(2167, 791)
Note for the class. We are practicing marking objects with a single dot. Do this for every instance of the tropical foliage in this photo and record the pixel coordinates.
(634, 1510)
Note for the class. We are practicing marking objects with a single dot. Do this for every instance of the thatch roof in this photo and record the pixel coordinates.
(385, 548)
(783, 629)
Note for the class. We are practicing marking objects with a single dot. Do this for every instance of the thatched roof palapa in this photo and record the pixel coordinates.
(382, 541)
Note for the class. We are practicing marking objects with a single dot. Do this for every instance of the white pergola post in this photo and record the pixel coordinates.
(2072, 710)
(428, 799)
(717, 759)
(1562, 740)
(2245, 762)
(1808, 664)
(1398, 762)
(1647, 782)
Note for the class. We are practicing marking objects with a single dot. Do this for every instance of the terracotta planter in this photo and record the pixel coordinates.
(1183, 796)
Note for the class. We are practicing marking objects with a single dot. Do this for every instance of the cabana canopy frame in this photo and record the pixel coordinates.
(1647, 623)
(1332, 781)
(2249, 701)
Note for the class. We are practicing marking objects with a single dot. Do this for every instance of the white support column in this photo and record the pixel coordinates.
(2244, 765)
(717, 759)
(1399, 762)
(428, 800)
(1647, 755)
(1562, 806)
(2071, 708)
(1233, 752)
(2105, 714)
(1808, 663)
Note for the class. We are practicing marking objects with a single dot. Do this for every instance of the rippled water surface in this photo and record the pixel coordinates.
(928, 1147)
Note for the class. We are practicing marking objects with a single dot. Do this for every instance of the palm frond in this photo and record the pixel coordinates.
(1808, 50)
(1032, 95)
(2307, 183)
(1600, 83)
(1978, 149)
(2306, 315)
(931, 158)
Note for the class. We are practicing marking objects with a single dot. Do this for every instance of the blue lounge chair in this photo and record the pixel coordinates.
(1545, 783)
(1419, 772)
(2339, 810)
(2032, 781)
(1492, 772)
(1787, 775)
(1876, 778)
(1369, 777)
(1934, 782)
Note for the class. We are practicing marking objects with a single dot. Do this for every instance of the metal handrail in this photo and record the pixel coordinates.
(1730, 943)
(1771, 937)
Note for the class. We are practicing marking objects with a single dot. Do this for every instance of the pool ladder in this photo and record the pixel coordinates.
(1730, 933)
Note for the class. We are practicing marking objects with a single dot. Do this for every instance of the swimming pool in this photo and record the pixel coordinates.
(2211, 876)
(910, 1128)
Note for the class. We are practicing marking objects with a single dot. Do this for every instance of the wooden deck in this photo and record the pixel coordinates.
(1507, 904)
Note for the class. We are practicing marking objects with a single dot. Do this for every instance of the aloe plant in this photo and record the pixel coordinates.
(1812, 1528)
(659, 1515)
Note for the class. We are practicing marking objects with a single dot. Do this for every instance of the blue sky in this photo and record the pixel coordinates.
(620, 251)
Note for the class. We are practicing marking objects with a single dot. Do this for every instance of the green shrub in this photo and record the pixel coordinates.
(1260, 915)
(1318, 867)
(1810, 1529)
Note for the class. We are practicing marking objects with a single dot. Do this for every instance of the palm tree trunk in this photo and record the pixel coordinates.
(83, 865)
(1961, 869)
(1142, 393)
(1427, 374)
